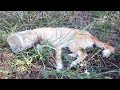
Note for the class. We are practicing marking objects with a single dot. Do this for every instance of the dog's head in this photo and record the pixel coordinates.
(15, 43)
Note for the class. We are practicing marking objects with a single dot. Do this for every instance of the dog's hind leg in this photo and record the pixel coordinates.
(81, 55)
(58, 59)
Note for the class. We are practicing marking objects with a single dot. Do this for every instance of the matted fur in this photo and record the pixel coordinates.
(75, 39)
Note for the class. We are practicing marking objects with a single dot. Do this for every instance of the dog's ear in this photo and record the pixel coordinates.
(15, 43)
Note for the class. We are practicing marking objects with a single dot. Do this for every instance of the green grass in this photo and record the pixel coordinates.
(107, 29)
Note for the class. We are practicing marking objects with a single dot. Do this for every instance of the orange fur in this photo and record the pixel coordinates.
(59, 37)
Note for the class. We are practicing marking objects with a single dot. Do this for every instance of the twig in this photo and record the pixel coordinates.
(103, 61)
(96, 53)
(38, 75)
(107, 72)
(114, 64)
(27, 76)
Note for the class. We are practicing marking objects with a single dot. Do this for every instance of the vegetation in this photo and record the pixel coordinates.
(39, 62)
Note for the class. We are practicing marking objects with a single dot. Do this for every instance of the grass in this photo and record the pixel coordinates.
(39, 62)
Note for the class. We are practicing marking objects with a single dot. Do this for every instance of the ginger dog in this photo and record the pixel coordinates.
(75, 39)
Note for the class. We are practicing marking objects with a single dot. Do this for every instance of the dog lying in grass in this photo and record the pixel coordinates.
(75, 39)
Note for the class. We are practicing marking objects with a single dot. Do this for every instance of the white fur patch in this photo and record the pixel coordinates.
(73, 64)
(81, 64)
(87, 72)
(59, 67)
(73, 55)
(106, 53)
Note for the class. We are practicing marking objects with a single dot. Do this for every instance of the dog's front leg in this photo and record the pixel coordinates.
(58, 59)
(81, 55)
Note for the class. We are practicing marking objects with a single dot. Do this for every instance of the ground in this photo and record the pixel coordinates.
(39, 63)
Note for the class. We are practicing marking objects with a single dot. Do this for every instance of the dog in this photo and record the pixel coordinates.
(74, 39)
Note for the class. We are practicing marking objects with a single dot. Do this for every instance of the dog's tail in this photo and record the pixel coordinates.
(107, 48)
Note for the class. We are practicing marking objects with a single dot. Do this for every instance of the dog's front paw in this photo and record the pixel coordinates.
(59, 67)
(73, 64)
